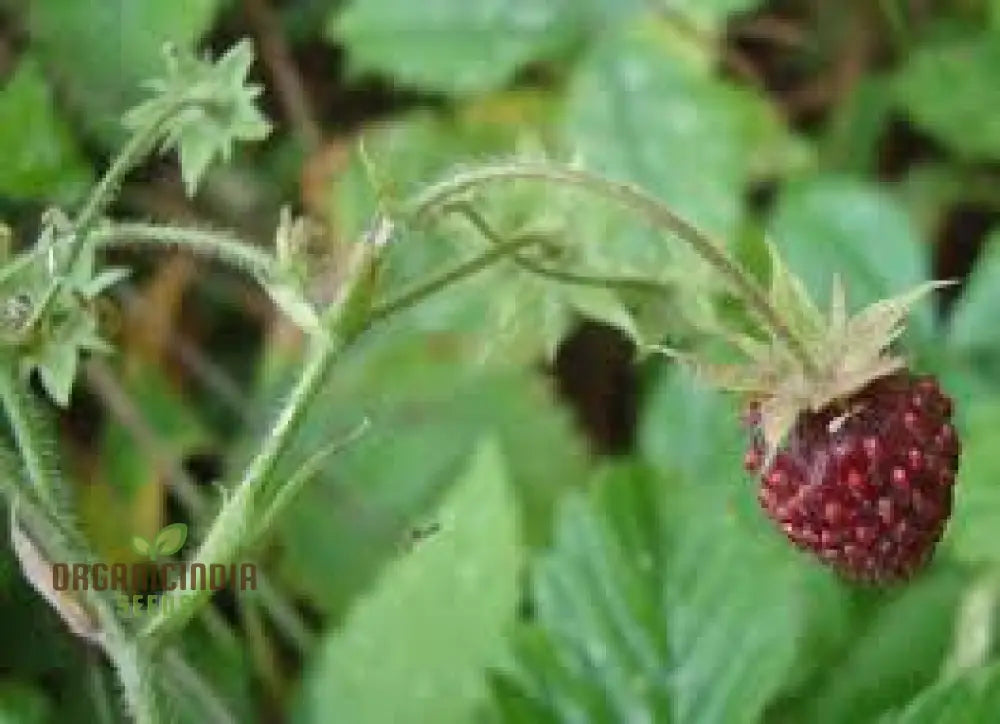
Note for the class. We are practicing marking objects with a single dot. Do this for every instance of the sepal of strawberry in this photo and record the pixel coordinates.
(834, 355)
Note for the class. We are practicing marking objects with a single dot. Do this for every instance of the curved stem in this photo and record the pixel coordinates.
(130, 154)
(411, 297)
(220, 245)
(632, 197)
(128, 157)
(481, 225)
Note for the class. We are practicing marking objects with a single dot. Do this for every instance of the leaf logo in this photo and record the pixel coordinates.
(167, 542)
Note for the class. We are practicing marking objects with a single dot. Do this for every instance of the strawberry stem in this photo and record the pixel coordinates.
(658, 214)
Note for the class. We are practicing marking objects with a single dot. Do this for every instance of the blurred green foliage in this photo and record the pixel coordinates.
(468, 559)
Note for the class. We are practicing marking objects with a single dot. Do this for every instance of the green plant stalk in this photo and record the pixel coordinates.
(345, 320)
(136, 675)
(310, 468)
(131, 154)
(189, 683)
(131, 662)
(284, 616)
(442, 194)
(625, 283)
(34, 445)
(41, 526)
(114, 397)
(226, 536)
(128, 157)
(460, 271)
(99, 697)
(262, 651)
(229, 533)
(223, 246)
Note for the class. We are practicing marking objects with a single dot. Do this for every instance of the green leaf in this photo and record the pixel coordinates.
(638, 112)
(521, 316)
(40, 159)
(830, 224)
(973, 326)
(711, 14)
(857, 126)
(359, 510)
(415, 648)
(665, 597)
(597, 650)
(888, 663)
(972, 697)
(658, 604)
(141, 546)
(950, 90)
(100, 51)
(170, 539)
(22, 703)
(601, 305)
(641, 110)
(57, 370)
(686, 428)
(453, 45)
(56, 356)
(224, 666)
(972, 534)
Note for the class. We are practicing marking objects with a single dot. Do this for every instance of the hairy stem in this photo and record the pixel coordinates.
(224, 246)
(136, 674)
(284, 616)
(310, 468)
(124, 410)
(41, 539)
(442, 194)
(229, 529)
(345, 320)
(34, 442)
(487, 231)
(460, 271)
(130, 155)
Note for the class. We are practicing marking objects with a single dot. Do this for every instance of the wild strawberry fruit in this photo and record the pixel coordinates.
(857, 457)
(866, 483)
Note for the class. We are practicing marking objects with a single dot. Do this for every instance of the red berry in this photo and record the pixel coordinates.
(867, 487)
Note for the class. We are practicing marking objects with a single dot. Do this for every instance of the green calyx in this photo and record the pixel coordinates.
(49, 307)
(818, 359)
